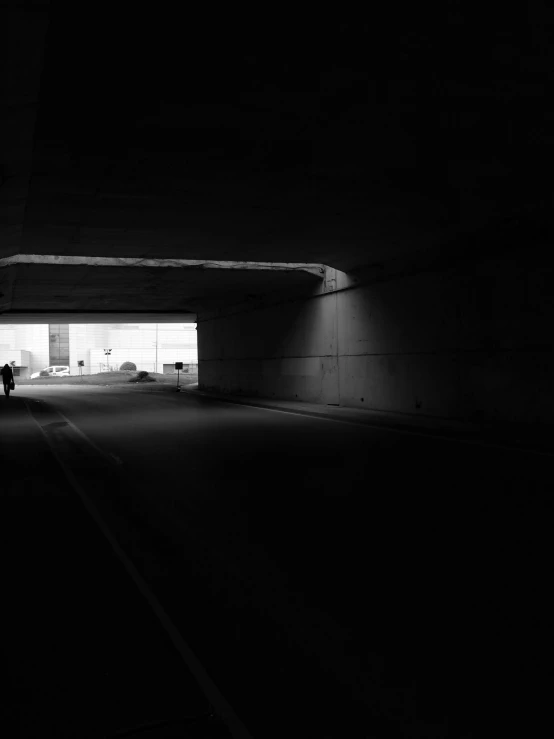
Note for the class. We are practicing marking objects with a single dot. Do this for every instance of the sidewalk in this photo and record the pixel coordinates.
(536, 438)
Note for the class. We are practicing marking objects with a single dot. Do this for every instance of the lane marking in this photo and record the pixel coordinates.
(111, 458)
(106, 455)
(211, 691)
(391, 429)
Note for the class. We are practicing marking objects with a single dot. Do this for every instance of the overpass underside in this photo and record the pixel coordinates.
(127, 191)
(437, 334)
(49, 288)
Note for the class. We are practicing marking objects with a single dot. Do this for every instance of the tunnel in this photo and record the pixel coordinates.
(356, 214)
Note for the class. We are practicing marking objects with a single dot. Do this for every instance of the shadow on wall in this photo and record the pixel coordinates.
(469, 342)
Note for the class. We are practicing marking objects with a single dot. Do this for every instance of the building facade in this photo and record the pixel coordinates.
(151, 347)
(26, 345)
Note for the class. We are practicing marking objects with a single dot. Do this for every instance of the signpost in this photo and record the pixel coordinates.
(107, 352)
(81, 364)
(178, 367)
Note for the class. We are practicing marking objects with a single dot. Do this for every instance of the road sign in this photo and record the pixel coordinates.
(178, 366)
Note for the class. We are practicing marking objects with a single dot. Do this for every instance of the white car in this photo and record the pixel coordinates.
(54, 371)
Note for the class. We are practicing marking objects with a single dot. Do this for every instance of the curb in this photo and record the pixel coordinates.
(464, 433)
(316, 414)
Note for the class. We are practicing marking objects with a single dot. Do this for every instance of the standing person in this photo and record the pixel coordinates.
(7, 378)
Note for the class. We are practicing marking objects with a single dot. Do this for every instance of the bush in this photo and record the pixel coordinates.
(142, 376)
(128, 366)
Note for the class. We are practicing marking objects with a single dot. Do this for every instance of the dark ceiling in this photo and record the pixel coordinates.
(273, 135)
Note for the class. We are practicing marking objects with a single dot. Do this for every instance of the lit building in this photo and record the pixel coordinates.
(151, 347)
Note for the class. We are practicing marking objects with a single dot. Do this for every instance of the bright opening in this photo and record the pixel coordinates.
(73, 349)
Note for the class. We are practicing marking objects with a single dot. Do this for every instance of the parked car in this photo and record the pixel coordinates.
(54, 371)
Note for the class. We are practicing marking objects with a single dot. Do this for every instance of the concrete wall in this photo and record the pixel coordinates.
(469, 340)
(287, 350)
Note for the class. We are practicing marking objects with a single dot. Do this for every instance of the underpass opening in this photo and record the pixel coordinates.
(68, 350)
(62, 291)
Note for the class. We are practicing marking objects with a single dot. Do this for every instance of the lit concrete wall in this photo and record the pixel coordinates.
(469, 341)
(287, 350)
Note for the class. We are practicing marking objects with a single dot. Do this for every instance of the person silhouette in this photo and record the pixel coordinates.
(7, 378)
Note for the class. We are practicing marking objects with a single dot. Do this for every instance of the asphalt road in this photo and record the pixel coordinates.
(333, 580)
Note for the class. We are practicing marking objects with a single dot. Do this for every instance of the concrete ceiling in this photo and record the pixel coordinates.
(76, 284)
(262, 136)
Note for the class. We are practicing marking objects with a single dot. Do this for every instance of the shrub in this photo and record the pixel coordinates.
(142, 376)
(128, 366)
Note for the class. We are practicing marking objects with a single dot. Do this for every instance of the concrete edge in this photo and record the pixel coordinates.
(325, 413)
(453, 431)
(314, 268)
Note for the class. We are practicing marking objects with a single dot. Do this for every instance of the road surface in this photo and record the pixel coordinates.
(333, 580)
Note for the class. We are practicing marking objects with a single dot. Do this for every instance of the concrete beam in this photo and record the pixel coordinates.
(318, 270)
(32, 317)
